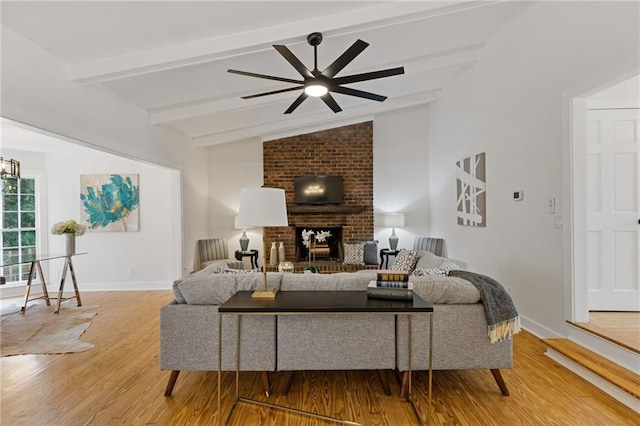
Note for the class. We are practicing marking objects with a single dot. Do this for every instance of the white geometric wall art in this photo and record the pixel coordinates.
(471, 185)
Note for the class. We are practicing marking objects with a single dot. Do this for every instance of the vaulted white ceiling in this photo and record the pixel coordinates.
(171, 58)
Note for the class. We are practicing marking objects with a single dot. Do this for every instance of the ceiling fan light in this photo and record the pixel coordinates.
(316, 90)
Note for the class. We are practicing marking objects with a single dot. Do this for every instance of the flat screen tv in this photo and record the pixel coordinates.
(318, 190)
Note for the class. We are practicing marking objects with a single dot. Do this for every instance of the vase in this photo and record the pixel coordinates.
(71, 244)
(273, 258)
(244, 242)
(281, 257)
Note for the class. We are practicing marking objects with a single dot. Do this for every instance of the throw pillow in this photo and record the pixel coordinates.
(354, 254)
(428, 260)
(419, 272)
(238, 271)
(405, 261)
(370, 252)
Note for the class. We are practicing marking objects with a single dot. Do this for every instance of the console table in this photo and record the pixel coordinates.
(318, 303)
(35, 261)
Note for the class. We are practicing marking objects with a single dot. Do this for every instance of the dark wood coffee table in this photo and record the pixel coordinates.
(319, 303)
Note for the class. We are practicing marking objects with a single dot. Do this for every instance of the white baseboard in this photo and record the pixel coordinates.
(610, 389)
(126, 286)
(36, 289)
(539, 330)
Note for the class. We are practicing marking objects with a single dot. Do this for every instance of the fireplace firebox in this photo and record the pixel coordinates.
(318, 243)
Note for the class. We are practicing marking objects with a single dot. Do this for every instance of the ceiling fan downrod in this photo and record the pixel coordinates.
(314, 39)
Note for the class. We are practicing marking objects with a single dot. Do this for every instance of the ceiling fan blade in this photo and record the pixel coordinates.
(331, 103)
(368, 76)
(295, 62)
(344, 59)
(268, 77)
(296, 103)
(290, 89)
(358, 93)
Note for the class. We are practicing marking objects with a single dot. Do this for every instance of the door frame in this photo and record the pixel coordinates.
(574, 206)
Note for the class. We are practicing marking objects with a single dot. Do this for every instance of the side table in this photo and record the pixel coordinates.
(384, 256)
(252, 254)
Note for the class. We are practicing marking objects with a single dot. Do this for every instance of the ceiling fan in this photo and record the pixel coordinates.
(318, 83)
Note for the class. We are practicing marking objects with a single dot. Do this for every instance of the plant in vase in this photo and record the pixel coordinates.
(70, 229)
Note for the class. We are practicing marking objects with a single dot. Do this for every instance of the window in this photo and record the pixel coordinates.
(19, 234)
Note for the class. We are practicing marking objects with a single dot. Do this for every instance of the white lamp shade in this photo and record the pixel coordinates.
(236, 226)
(394, 220)
(262, 207)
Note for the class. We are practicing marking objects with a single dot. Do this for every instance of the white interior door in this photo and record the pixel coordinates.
(613, 209)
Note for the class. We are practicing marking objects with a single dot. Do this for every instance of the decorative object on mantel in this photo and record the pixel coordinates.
(70, 229)
(263, 207)
(281, 256)
(286, 266)
(393, 221)
(9, 168)
(273, 255)
(471, 191)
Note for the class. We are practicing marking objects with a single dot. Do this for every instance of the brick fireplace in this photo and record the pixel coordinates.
(345, 151)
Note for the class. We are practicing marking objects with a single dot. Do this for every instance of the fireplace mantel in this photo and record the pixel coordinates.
(324, 208)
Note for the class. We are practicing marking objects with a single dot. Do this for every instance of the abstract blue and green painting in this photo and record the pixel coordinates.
(110, 202)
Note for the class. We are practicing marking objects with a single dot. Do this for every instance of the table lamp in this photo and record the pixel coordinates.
(393, 220)
(263, 207)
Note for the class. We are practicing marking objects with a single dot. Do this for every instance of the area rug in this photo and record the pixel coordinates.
(40, 331)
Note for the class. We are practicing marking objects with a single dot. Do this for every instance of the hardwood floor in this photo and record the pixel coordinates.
(622, 328)
(119, 382)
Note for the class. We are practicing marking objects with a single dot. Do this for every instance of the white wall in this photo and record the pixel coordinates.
(150, 255)
(401, 173)
(509, 105)
(231, 168)
(36, 91)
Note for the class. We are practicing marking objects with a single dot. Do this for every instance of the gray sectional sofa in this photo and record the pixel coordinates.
(189, 324)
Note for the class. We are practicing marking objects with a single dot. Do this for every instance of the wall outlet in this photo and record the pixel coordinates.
(518, 195)
(130, 272)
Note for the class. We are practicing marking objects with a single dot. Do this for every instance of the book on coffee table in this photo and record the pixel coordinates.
(393, 279)
(374, 291)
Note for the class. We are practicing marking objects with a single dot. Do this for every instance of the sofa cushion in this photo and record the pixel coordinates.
(208, 287)
(428, 260)
(327, 282)
(405, 261)
(438, 289)
(354, 254)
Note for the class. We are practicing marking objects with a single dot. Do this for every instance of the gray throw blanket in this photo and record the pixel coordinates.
(501, 314)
